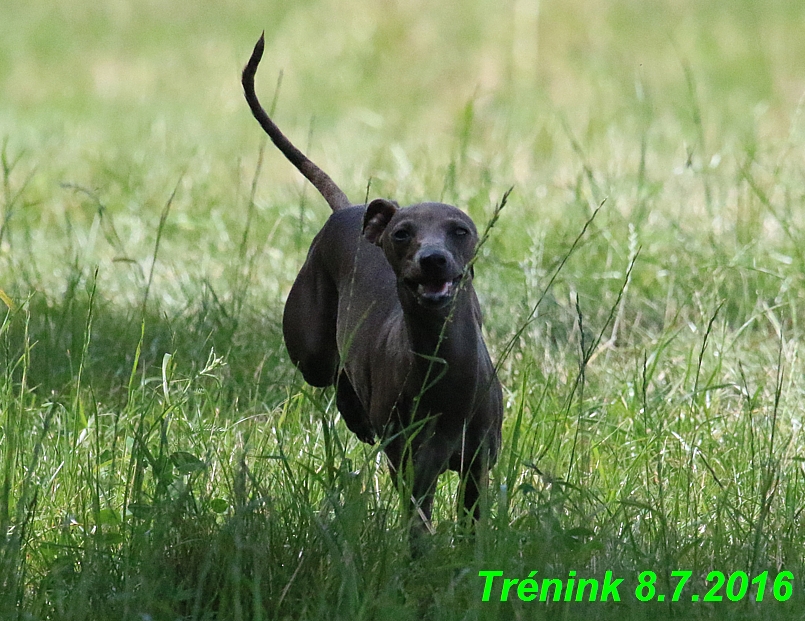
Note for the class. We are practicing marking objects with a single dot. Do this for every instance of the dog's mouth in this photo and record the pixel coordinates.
(434, 293)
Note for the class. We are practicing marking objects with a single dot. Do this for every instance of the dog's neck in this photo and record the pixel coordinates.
(450, 333)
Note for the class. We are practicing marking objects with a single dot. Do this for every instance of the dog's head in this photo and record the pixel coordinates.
(429, 247)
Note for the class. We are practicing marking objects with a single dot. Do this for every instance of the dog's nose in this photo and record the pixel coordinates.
(432, 260)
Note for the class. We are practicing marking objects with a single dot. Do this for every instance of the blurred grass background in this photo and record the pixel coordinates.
(161, 458)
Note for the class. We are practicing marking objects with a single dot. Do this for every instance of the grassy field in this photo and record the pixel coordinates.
(160, 458)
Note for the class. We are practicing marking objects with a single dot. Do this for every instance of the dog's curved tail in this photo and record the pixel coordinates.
(334, 196)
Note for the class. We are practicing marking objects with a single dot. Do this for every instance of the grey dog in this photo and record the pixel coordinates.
(384, 309)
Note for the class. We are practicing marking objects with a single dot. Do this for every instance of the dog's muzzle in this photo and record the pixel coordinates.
(435, 279)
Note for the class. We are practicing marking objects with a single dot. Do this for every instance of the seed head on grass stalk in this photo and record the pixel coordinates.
(588, 353)
(162, 220)
(532, 315)
(11, 198)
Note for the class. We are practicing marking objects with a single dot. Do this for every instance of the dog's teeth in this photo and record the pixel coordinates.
(439, 288)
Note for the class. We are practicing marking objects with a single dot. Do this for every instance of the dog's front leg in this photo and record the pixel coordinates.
(428, 463)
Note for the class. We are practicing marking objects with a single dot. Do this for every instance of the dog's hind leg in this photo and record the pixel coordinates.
(309, 324)
(470, 487)
(352, 410)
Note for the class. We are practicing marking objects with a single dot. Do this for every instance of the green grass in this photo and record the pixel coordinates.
(160, 458)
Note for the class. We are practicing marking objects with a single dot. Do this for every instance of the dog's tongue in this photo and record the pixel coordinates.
(436, 288)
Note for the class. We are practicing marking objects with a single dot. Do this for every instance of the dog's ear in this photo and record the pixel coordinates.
(378, 214)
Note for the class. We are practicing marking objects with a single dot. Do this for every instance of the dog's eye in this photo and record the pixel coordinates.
(401, 235)
(460, 231)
